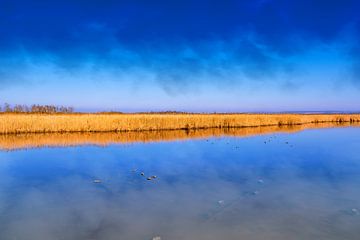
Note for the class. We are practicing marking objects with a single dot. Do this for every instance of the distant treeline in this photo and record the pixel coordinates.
(165, 112)
(35, 109)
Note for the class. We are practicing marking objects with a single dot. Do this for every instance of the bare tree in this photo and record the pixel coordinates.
(7, 107)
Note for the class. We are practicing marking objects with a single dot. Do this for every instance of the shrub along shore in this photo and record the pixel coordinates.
(13, 123)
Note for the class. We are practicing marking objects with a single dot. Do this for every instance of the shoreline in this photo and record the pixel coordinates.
(19, 123)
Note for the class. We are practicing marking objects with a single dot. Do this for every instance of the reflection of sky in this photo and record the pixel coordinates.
(204, 190)
(251, 55)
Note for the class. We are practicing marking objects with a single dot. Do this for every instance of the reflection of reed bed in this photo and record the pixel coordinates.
(20, 141)
(43, 123)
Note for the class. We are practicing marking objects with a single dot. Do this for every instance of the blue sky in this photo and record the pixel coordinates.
(251, 55)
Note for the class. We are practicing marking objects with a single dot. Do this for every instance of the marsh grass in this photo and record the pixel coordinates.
(11, 123)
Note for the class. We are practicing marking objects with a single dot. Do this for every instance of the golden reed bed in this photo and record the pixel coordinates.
(60, 123)
(10, 142)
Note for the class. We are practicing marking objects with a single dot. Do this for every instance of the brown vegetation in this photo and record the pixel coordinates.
(60, 123)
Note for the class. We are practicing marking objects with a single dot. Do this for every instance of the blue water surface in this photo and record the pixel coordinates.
(301, 185)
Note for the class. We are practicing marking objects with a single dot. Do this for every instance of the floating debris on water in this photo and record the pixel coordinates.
(250, 193)
(261, 181)
(221, 202)
(97, 181)
(355, 211)
(152, 177)
(156, 238)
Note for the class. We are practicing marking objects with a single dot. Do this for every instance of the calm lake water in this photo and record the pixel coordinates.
(303, 185)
